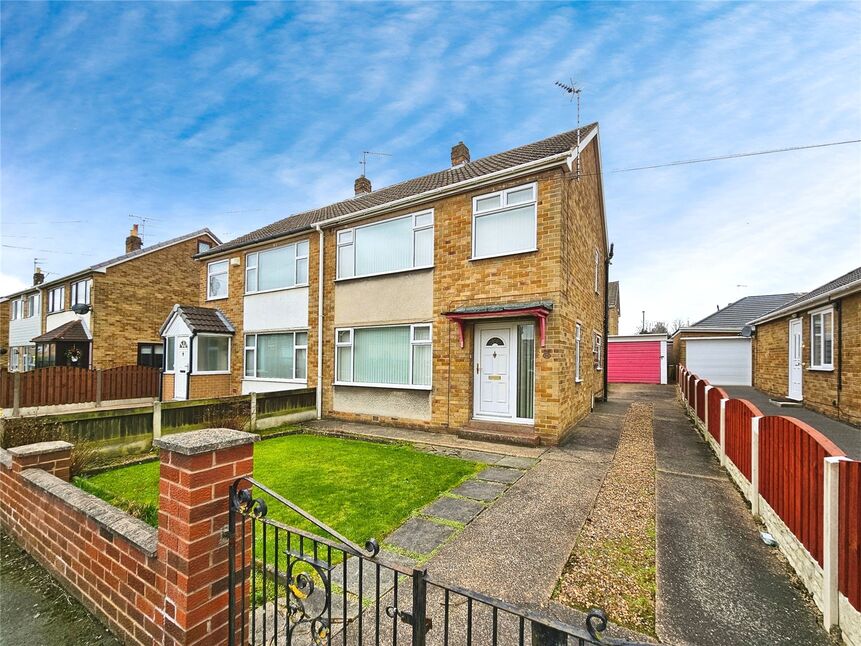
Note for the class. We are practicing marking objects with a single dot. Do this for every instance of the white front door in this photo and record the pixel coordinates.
(181, 367)
(795, 370)
(493, 371)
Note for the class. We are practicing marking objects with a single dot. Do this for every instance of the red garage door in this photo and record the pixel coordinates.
(634, 362)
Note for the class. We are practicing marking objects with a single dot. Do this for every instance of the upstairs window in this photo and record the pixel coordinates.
(505, 222)
(597, 271)
(16, 310)
(216, 280)
(81, 292)
(822, 340)
(596, 351)
(202, 246)
(398, 244)
(32, 305)
(277, 268)
(57, 299)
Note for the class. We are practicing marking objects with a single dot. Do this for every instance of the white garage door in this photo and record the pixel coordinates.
(722, 361)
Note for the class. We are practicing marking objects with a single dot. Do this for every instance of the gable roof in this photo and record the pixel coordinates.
(200, 319)
(71, 331)
(120, 259)
(551, 146)
(848, 282)
(613, 294)
(743, 311)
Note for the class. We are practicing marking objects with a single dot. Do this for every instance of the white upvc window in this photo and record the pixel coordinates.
(577, 339)
(597, 271)
(57, 299)
(32, 305)
(395, 356)
(398, 244)
(16, 309)
(598, 356)
(505, 222)
(278, 268)
(822, 339)
(169, 353)
(81, 291)
(212, 353)
(277, 355)
(216, 279)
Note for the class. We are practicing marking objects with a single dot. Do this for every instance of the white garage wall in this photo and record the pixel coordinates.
(723, 361)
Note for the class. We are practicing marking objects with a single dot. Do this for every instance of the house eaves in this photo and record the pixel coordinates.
(802, 305)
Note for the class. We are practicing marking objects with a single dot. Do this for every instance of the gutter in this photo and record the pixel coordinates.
(828, 297)
(320, 255)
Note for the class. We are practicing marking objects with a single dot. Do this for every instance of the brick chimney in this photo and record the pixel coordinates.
(362, 185)
(459, 154)
(38, 276)
(133, 242)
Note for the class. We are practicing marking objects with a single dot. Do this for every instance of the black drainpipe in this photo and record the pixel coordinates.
(839, 307)
(607, 264)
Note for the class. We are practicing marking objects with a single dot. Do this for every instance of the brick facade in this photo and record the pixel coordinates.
(820, 387)
(613, 322)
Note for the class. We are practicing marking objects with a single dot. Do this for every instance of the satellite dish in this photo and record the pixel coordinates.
(747, 331)
(80, 308)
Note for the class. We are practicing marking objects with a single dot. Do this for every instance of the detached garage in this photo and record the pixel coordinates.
(639, 359)
(723, 361)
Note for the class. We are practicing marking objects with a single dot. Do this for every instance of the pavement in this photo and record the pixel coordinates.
(717, 582)
(843, 435)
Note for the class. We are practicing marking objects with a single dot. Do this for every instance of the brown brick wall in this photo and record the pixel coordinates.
(206, 386)
(819, 388)
(613, 322)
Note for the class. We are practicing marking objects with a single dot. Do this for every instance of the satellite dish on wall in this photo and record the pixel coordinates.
(747, 331)
(80, 308)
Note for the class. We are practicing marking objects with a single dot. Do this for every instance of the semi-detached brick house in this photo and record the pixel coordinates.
(470, 300)
(126, 299)
(810, 349)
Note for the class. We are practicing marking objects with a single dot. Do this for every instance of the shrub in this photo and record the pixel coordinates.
(229, 414)
(30, 430)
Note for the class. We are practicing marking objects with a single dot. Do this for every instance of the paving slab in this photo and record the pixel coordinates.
(461, 510)
(420, 536)
(479, 490)
(515, 462)
(500, 474)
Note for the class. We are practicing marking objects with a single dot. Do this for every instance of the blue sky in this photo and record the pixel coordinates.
(234, 115)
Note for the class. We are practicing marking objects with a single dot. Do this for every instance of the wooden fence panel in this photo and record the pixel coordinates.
(714, 397)
(692, 384)
(701, 399)
(849, 533)
(130, 382)
(739, 414)
(791, 476)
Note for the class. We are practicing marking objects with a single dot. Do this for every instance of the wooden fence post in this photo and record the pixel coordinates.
(723, 403)
(156, 419)
(706, 407)
(754, 466)
(16, 394)
(830, 543)
(99, 387)
(252, 424)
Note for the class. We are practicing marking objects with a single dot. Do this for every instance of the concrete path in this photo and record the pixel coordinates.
(843, 435)
(718, 583)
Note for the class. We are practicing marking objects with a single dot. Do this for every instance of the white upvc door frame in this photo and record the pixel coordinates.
(181, 366)
(795, 387)
(511, 418)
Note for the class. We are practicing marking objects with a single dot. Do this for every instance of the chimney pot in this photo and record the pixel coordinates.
(38, 276)
(362, 185)
(133, 242)
(459, 154)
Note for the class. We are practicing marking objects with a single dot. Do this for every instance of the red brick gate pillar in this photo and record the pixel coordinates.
(53, 457)
(197, 469)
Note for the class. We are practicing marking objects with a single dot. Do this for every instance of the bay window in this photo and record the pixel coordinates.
(57, 299)
(397, 355)
(505, 222)
(398, 244)
(213, 353)
(216, 279)
(282, 355)
(277, 268)
(822, 340)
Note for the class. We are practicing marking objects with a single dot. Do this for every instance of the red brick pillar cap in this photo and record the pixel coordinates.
(204, 441)
(39, 448)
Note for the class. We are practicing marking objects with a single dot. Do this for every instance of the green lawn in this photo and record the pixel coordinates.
(362, 489)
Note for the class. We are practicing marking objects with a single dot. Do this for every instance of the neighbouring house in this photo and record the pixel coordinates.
(469, 300)
(614, 309)
(809, 350)
(718, 348)
(108, 314)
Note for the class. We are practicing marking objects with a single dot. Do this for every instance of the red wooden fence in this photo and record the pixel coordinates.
(69, 385)
(692, 381)
(714, 397)
(739, 413)
(849, 533)
(791, 476)
(701, 399)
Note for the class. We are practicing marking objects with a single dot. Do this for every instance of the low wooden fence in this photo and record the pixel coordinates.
(803, 486)
(59, 385)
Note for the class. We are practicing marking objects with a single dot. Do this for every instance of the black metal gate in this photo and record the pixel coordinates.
(289, 586)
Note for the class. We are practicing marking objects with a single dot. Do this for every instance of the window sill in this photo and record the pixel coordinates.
(578, 381)
(278, 379)
(277, 289)
(821, 369)
(216, 298)
(384, 273)
(207, 373)
(387, 386)
(504, 255)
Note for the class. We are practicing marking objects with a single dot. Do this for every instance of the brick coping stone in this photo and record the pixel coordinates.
(104, 514)
(39, 448)
(204, 441)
